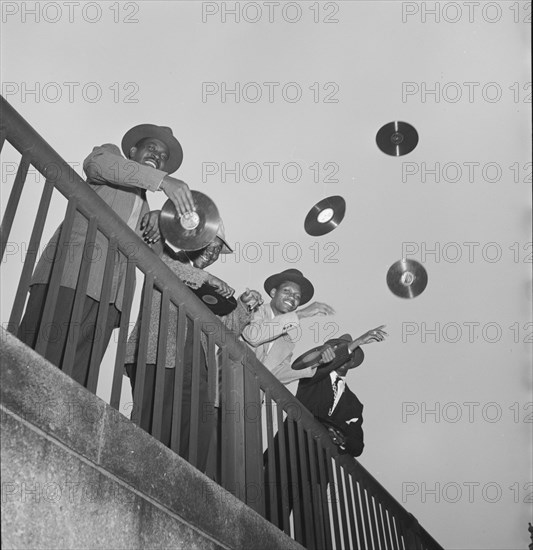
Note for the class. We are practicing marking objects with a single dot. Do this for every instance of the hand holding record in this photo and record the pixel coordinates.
(341, 351)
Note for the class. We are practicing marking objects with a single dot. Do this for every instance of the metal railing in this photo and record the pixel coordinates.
(270, 451)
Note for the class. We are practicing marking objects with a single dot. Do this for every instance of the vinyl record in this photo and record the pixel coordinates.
(214, 301)
(397, 138)
(193, 230)
(407, 278)
(325, 216)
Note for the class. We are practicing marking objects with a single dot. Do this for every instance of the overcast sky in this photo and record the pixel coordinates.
(277, 106)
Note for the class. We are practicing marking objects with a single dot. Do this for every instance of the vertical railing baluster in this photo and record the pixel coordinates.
(379, 522)
(197, 364)
(304, 486)
(373, 522)
(334, 499)
(295, 485)
(366, 516)
(254, 444)
(98, 349)
(225, 452)
(342, 502)
(160, 367)
(273, 480)
(322, 470)
(55, 277)
(351, 511)
(13, 201)
(31, 257)
(144, 327)
(118, 373)
(79, 301)
(359, 514)
(283, 474)
(177, 408)
(316, 496)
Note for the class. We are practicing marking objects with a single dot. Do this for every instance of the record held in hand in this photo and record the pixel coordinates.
(193, 230)
(218, 304)
(407, 278)
(325, 216)
(397, 138)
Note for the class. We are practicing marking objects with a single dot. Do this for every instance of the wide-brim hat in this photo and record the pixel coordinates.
(294, 276)
(164, 134)
(221, 234)
(358, 356)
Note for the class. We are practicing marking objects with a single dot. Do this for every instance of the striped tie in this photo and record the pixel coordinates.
(335, 391)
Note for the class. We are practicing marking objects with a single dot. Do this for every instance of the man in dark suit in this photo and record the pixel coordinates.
(327, 394)
(152, 153)
(328, 398)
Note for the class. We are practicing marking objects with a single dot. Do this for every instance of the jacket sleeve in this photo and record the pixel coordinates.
(237, 319)
(354, 437)
(106, 165)
(262, 329)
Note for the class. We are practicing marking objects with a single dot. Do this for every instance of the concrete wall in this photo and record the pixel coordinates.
(78, 474)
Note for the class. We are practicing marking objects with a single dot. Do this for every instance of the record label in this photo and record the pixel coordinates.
(397, 138)
(193, 230)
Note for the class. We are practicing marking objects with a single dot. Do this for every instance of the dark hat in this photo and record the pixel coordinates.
(358, 355)
(164, 134)
(294, 276)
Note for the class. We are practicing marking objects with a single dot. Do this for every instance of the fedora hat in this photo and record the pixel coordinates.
(162, 133)
(294, 276)
(312, 357)
(358, 355)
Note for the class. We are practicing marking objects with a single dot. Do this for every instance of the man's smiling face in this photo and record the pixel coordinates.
(285, 298)
(150, 152)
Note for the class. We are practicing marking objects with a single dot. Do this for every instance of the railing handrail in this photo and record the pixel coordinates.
(39, 153)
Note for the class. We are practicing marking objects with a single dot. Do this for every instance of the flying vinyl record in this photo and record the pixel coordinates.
(325, 216)
(397, 138)
(407, 278)
(193, 230)
(214, 301)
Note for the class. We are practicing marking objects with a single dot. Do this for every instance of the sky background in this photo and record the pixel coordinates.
(338, 71)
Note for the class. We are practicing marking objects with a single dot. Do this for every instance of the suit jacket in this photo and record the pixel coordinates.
(118, 182)
(316, 394)
(266, 329)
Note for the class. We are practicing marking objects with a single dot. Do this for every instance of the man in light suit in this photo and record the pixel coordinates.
(152, 153)
(269, 332)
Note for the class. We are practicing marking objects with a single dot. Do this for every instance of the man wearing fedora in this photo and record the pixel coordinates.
(189, 267)
(327, 395)
(269, 332)
(152, 153)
